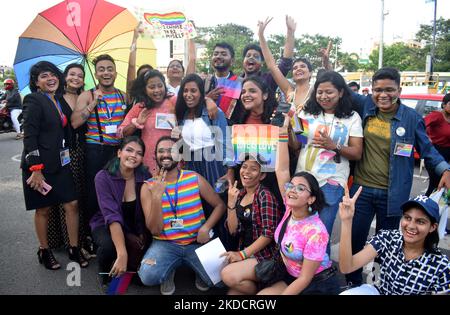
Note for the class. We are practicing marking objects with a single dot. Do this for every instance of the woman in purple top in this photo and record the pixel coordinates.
(118, 228)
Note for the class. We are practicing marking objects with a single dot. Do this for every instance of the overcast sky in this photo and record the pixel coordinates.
(357, 22)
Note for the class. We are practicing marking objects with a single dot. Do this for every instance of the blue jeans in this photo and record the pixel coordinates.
(333, 196)
(164, 257)
(371, 202)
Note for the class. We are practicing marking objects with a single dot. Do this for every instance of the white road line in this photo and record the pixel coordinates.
(17, 158)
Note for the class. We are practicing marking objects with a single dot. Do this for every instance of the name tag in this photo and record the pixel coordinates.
(403, 149)
(65, 157)
(177, 224)
(111, 129)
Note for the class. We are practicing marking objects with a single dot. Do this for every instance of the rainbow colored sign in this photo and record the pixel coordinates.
(171, 25)
(258, 141)
(172, 18)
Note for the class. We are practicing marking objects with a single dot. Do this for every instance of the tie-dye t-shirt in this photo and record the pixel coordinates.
(306, 238)
(320, 162)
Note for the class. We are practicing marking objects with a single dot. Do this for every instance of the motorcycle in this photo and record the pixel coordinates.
(6, 124)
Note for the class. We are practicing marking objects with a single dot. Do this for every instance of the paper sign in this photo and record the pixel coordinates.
(170, 25)
(165, 121)
(259, 141)
(209, 256)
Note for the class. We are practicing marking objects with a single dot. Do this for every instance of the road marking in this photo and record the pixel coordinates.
(421, 177)
(17, 158)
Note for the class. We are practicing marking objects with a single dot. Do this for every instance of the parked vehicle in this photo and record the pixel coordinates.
(423, 104)
(6, 124)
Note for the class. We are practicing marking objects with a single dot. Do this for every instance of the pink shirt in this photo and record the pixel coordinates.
(150, 134)
(306, 238)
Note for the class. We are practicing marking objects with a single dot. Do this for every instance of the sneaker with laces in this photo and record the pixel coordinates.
(168, 286)
(200, 284)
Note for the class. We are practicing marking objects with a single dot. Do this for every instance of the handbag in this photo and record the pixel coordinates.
(270, 271)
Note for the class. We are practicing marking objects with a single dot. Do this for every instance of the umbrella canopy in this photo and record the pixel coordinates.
(78, 31)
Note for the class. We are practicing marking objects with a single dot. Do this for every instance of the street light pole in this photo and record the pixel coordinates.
(433, 47)
(380, 51)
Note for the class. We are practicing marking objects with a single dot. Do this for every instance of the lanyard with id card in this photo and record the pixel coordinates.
(64, 154)
(175, 223)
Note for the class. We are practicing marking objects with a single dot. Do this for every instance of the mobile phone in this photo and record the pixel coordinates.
(45, 188)
(278, 117)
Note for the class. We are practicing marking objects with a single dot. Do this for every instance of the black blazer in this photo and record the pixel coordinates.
(43, 131)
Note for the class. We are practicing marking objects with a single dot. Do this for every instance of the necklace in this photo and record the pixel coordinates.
(299, 107)
(326, 123)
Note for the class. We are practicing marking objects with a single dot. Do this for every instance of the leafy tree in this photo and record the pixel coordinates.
(399, 56)
(442, 51)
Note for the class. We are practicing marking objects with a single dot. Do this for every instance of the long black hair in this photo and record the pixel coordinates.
(269, 104)
(320, 202)
(139, 91)
(181, 107)
(66, 72)
(344, 106)
(44, 66)
(113, 165)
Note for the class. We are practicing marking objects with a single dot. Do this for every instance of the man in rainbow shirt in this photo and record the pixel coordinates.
(174, 215)
(101, 110)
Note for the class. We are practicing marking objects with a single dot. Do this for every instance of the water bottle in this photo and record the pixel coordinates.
(221, 186)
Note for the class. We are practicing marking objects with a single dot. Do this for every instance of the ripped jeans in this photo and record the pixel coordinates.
(163, 257)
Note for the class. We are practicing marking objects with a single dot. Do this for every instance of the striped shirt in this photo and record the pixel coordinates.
(189, 209)
(111, 112)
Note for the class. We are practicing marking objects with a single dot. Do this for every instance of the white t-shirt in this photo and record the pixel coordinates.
(197, 134)
(319, 162)
(172, 89)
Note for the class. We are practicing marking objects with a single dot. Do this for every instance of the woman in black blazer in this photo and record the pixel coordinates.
(46, 176)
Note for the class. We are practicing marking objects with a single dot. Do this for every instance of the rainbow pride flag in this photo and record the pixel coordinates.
(303, 136)
(172, 18)
(119, 285)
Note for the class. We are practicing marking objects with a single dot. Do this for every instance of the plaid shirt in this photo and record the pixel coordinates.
(265, 218)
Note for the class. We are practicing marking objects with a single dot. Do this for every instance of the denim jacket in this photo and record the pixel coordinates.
(401, 169)
(225, 140)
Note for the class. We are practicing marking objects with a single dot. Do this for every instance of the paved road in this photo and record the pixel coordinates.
(21, 273)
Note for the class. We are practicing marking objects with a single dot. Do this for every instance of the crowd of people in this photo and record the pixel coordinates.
(134, 173)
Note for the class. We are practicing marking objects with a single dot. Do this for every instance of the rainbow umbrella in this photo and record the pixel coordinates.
(78, 31)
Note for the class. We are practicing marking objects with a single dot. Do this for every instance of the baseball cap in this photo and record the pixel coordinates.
(425, 203)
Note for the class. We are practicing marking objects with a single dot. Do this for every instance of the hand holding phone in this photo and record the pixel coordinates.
(45, 188)
(278, 117)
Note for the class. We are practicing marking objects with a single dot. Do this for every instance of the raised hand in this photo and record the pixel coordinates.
(262, 26)
(233, 193)
(290, 24)
(143, 115)
(158, 185)
(347, 206)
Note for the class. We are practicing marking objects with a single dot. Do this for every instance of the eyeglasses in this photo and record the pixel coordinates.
(297, 188)
(388, 90)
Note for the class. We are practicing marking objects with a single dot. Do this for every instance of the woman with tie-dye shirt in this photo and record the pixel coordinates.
(305, 238)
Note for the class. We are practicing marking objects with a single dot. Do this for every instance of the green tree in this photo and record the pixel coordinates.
(442, 51)
(399, 56)
(237, 36)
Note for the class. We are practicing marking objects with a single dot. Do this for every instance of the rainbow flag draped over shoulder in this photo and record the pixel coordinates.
(119, 285)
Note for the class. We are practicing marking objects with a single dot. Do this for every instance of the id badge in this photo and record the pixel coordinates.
(65, 157)
(111, 129)
(403, 149)
(177, 224)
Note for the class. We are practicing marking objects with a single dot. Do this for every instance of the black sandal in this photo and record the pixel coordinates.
(45, 256)
(76, 255)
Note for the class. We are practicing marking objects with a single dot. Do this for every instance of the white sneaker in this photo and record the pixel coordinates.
(200, 284)
(168, 286)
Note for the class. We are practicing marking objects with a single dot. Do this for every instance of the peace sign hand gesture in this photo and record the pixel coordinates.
(158, 185)
(233, 193)
(347, 206)
(262, 26)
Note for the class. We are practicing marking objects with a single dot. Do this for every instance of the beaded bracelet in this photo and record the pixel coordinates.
(243, 254)
(37, 167)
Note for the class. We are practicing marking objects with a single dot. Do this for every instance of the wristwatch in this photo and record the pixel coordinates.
(338, 148)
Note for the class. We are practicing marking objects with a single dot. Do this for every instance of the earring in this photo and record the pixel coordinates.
(310, 209)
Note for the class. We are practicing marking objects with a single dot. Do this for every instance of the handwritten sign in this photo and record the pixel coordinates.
(171, 25)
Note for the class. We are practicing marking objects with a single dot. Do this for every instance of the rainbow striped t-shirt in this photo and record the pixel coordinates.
(111, 112)
(189, 209)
